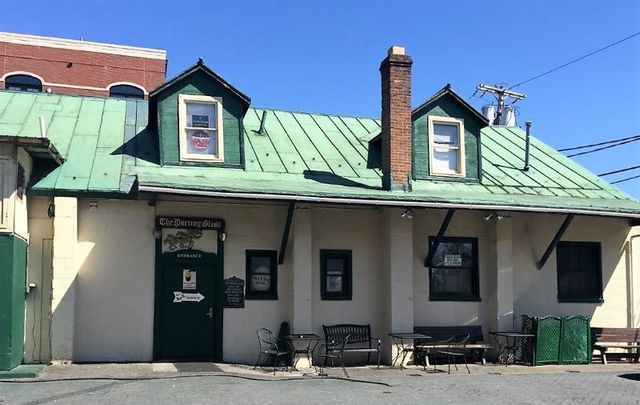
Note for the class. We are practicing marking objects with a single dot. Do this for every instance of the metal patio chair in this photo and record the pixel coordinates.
(455, 349)
(269, 347)
(333, 351)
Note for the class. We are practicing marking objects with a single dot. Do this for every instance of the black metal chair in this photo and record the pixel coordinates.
(269, 346)
(455, 349)
(333, 350)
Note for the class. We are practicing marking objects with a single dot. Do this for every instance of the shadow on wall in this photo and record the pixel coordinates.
(332, 179)
(142, 146)
(538, 290)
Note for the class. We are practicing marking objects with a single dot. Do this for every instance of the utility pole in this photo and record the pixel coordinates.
(502, 93)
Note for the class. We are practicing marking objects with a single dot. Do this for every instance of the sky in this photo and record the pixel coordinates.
(323, 56)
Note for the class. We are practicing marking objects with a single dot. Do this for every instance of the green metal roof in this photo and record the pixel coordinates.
(88, 133)
(107, 147)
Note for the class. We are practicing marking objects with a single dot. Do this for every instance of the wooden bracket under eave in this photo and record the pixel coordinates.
(443, 229)
(285, 233)
(554, 242)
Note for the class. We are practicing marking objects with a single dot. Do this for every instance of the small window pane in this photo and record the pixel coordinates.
(23, 83)
(451, 281)
(125, 91)
(334, 284)
(335, 274)
(201, 115)
(445, 134)
(454, 270)
(202, 142)
(579, 272)
(445, 160)
(261, 274)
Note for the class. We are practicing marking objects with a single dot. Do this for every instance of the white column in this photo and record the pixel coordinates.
(504, 281)
(302, 274)
(65, 269)
(398, 269)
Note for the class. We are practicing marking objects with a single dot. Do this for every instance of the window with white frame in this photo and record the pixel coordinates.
(446, 146)
(201, 137)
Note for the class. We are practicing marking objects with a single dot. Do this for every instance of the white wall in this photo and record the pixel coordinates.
(38, 301)
(116, 256)
(536, 290)
(358, 230)
(248, 226)
(115, 288)
(448, 313)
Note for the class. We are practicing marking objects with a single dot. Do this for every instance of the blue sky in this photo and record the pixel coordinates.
(323, 56)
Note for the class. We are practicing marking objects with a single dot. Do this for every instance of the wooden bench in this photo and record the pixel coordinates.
(475, 344)
(616, 338)
(360, 340)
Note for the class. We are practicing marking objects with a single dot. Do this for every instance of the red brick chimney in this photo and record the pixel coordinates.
(395, 70)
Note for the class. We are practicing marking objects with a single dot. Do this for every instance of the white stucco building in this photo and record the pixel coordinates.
(137, 213)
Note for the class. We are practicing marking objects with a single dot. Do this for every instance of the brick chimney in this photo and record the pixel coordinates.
(395, 70)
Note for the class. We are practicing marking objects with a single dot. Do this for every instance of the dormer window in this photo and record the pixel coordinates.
(446, 146)
(201, 134)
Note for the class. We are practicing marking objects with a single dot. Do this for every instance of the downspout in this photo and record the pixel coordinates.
(632, 312)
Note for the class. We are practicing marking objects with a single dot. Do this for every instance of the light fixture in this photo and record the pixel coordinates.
(93, 205)
(407, 213)
(222, 236)
(495, 217)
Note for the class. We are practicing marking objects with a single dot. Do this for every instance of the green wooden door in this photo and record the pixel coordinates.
(186, 329)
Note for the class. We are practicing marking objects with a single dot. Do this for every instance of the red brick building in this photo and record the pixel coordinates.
(55, 65)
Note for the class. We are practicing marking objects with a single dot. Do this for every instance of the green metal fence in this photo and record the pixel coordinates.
(558, 340)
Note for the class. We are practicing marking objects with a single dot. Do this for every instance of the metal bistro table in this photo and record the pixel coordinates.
(307, 343)
(405, 343)
(510, 345)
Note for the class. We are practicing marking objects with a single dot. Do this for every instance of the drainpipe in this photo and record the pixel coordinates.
(528, 142)
(632, 312)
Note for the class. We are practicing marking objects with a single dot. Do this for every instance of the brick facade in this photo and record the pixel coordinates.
(86, 72)
(396, 119)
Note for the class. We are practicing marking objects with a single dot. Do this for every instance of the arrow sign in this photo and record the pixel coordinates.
(179, 296)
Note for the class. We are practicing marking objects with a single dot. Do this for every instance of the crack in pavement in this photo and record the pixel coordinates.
(78, 392)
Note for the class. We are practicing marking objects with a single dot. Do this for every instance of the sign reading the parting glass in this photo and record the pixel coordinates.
(190, 223)
(453, 260)
(233, 293)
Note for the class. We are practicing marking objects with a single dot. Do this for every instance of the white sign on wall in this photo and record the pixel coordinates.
(453, 260)
(188, 279)
(179, 296)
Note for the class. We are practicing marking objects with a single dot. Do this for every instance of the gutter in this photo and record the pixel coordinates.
(383, 203)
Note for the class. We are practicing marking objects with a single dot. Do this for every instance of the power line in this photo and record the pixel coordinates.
(625, 179)
(598, 144)
(626, 169)
(604, 147)
(576, 60)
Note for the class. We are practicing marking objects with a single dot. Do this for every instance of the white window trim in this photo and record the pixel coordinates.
(461, 154)
(183, 99)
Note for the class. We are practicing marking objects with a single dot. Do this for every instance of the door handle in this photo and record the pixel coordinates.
(210, 313)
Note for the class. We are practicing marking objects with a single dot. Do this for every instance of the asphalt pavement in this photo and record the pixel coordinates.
(118, 384)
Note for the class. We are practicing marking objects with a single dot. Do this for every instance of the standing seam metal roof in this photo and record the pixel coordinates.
(297, 154)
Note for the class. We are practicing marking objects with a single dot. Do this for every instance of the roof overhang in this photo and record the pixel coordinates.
(383, 203)
(41, 148)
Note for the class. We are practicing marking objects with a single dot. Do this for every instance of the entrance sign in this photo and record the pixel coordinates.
(188, 279)
(180, 296)
(233, 293)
